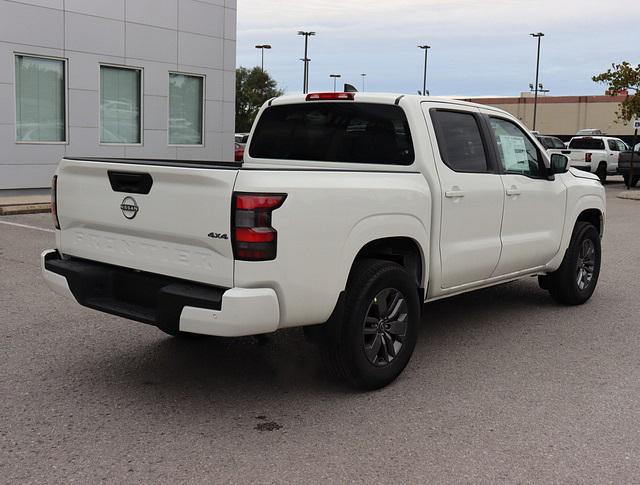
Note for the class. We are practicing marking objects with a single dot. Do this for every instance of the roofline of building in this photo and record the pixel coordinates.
(545, 99)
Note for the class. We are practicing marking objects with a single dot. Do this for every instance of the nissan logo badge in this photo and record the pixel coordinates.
(129, 208)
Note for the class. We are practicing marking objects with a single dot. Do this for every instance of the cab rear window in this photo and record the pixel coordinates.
(334, 132)
(587, 144)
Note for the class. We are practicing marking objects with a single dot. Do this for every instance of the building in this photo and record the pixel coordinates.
(114, 78)
(564, 116)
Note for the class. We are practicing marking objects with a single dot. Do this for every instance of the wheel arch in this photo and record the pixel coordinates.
(593, 216)
(402, 250)
(394, 237)
(587, 208)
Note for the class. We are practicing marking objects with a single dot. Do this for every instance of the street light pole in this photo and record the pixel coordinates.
(335, 81)
(363, 77)
(539, 36)
(306, 35)
(262, 48)
(426, 60)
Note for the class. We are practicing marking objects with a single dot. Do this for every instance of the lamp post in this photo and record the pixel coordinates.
(539, 36)
(541, 88)
(363, 78)
(306, 35)
(335, 81)
(262, 48)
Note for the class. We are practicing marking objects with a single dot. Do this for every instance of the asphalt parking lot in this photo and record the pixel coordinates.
(504, 386)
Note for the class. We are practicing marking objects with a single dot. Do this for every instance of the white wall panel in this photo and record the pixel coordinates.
(159, 36)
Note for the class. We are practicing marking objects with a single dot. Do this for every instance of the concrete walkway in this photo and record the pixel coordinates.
(32, 201)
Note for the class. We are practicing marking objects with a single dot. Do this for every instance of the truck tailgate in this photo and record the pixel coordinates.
(160, 218)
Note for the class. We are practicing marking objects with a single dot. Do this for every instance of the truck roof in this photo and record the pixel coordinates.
(386, 98)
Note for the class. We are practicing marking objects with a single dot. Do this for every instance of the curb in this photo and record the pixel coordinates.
(630, 195)
(19, 209)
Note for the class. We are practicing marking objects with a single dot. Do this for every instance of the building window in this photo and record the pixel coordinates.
(40, 100)
(186, 109)
(120, 105)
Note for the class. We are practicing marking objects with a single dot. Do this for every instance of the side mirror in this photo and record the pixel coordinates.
(559, 163)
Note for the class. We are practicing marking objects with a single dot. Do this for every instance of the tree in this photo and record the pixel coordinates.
(253, 88)
(623, 78)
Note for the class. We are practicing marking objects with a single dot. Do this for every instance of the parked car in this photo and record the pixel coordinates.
(624, 167)
(590, 132)
(239, 153)
(348, 213)
(551, 142)
(595, 154)
(242, 138)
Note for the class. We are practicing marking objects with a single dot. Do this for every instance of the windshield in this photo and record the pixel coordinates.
(334, 132)
(587, 144)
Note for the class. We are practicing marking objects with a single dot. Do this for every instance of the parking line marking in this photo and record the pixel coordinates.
(24, 226)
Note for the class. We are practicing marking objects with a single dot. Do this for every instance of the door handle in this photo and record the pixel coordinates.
(130, 182)
(454, 194)
(513, 191)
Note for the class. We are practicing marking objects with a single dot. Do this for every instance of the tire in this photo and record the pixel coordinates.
(634, 181)
(602, 172)
(360, 347)
(576, 279)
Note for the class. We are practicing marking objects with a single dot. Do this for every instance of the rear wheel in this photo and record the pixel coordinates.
(602, 172)
(370, 344)
(576, 279)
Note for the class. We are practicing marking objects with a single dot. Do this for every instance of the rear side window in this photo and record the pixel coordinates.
(334, 132)
(460, 141)
(587, 144)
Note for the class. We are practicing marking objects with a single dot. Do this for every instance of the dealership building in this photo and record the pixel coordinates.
(114, 78)
(564, 116)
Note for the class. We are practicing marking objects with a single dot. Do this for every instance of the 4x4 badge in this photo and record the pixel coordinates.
(129, 208)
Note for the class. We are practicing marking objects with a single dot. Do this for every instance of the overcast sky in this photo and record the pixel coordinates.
(479, 47)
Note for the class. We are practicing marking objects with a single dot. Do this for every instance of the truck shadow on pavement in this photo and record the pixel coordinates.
(286, 363)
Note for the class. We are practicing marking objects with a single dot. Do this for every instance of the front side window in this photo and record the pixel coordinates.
(186, 98)
(40, 100)
(613, 146)
(460, 141)
(622, 146)
(558, 143)
(334, 132)
(120, 105)
(516, 152)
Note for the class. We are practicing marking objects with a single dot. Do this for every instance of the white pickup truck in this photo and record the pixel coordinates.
(348, 213)
(595, 154)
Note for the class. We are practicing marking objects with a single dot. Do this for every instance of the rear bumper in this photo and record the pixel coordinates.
(165, 302)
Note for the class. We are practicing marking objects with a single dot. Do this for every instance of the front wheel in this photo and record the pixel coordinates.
(371, 344)
(576, 279)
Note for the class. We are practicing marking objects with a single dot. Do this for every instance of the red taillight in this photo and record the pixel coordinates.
(258, 201)
(587, 157)
(331, 97)
(54, 201)
(254, 238)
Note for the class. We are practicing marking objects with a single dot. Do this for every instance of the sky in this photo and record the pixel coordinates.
(479, 48)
